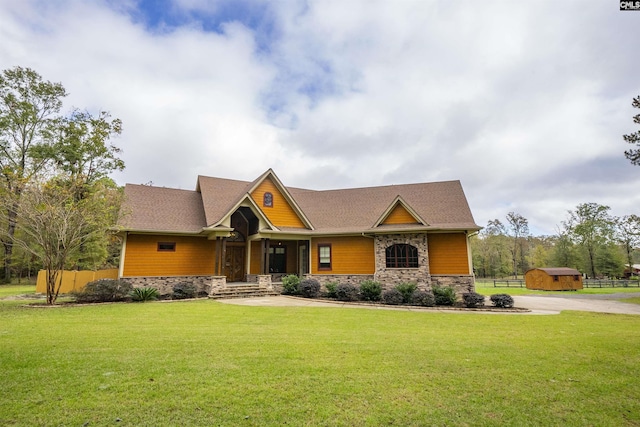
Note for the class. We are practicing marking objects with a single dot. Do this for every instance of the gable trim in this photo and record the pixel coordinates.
(246, 199)
(285, 193)
(399, 201)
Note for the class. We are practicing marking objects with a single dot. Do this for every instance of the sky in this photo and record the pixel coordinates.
(524, 102)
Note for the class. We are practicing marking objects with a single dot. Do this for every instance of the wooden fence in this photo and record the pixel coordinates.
(591, 283)
(515, 283)
(74, 280)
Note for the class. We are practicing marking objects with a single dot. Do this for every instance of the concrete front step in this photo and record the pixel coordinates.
(242, 291)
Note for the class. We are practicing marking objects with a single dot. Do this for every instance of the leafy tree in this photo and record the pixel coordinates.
(540, 253)
(610, 260)
(55, 226)
(82, 149)
(634, 138)
(628, 234)
(590, 226)
(563, 253)
(518, 228)
(491, 251)
(28, 108)
(84, 156)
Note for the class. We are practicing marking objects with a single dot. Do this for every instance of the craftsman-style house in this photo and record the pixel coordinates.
(229, 231)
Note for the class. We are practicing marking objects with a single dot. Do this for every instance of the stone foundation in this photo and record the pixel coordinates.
(461, 283)
(165, 284)
(265, 281)
(354, 279)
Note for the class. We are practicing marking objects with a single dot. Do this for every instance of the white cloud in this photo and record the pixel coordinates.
(525, 105)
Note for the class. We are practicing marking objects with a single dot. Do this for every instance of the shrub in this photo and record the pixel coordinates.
(502, 300)
(370, 290)
(290, 284)
(104, 290)
(423, 298)
(309, 288)
(406, 290)
(392, 296)
(144, 294)
(472, 299)
(331, 289)
(347, 292)
(444, 295)
(184, 290)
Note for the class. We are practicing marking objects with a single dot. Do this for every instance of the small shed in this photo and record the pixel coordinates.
(553, 279)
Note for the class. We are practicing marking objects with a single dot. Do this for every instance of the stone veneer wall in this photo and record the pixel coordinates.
(461, 283)
(165, 284)
(389, 277)
(354, 279)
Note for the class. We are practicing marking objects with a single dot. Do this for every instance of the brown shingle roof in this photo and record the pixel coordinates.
(560, 271)
(442, 205)
(220, 195)
(147, 208)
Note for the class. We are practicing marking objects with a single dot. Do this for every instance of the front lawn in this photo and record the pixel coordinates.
(206, 363)
(12, 290)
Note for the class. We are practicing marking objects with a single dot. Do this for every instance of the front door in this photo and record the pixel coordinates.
(234, 263)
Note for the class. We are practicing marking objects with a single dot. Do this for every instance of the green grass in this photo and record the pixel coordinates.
(631, 300)
(485, 287)
(12, 290)
(206, 363)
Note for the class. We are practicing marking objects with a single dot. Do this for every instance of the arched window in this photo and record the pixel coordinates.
(402, 255)
(267, 200)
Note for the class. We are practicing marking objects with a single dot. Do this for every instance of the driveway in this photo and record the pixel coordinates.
(535, 304)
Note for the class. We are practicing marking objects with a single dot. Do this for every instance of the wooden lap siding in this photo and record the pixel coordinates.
(281, 214)
(192, 256)
(349, 255)
(448, 253)
(399, 215)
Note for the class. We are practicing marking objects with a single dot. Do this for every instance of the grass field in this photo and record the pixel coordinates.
(485, 287)
(206, 363)
(10, 290)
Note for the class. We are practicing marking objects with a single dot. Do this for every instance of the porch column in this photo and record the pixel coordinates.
(218, 252)
(264, 258)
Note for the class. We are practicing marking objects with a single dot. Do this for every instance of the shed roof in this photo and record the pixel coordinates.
(559, 271)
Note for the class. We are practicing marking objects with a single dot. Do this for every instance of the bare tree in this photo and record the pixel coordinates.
(518, 228)
(54, 225)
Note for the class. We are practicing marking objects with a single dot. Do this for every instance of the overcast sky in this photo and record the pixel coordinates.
(524, 102)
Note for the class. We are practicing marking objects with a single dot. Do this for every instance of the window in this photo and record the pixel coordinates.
(267, 200)
(324, 257)
(278, 259)
(402, 256)
(166, 246)
(555, 278)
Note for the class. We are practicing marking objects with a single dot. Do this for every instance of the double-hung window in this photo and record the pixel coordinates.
(324, 257)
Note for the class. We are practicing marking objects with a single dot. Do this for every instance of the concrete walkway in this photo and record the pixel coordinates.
(535, 304)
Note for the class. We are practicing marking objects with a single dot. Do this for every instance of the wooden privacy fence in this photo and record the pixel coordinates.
(74, 280)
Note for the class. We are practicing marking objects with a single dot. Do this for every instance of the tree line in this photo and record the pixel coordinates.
(58, 202)
(590, 240)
